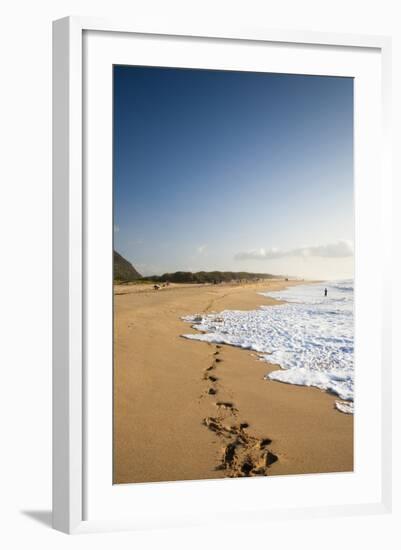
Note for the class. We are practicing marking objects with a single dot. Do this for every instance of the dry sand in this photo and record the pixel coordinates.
(167, 426)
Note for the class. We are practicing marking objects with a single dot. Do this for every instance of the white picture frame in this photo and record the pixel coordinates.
(70, 284)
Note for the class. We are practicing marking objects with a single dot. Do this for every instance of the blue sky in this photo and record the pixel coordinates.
(233, 171)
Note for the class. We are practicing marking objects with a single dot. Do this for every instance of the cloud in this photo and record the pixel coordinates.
(339, 249)
(201, 249)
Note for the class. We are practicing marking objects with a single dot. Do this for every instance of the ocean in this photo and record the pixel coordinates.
(310, 336)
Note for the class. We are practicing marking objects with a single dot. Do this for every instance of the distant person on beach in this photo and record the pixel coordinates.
(325, 291)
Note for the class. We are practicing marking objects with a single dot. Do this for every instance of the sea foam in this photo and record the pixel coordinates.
(310, 336)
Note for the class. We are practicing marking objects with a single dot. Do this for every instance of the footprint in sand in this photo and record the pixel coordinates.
(243, 455)
(227, 406)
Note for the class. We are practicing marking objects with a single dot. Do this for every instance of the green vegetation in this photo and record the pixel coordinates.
(124, 271)
(209, 277)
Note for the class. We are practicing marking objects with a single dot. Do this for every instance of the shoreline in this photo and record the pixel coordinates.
(179, 406)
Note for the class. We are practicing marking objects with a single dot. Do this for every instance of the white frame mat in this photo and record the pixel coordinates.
(84, 499)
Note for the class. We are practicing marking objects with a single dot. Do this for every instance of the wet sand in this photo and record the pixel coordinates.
(190, 410)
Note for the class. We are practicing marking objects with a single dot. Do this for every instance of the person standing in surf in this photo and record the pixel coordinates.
(325, 291)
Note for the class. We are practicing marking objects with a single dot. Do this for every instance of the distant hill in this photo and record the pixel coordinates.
(124, 270)
(209, 276)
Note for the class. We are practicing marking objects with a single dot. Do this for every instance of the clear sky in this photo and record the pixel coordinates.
(233, 171)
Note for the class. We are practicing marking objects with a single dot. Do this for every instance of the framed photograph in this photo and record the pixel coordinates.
(221, 303)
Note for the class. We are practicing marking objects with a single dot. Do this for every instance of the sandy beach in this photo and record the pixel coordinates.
(179, 404)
